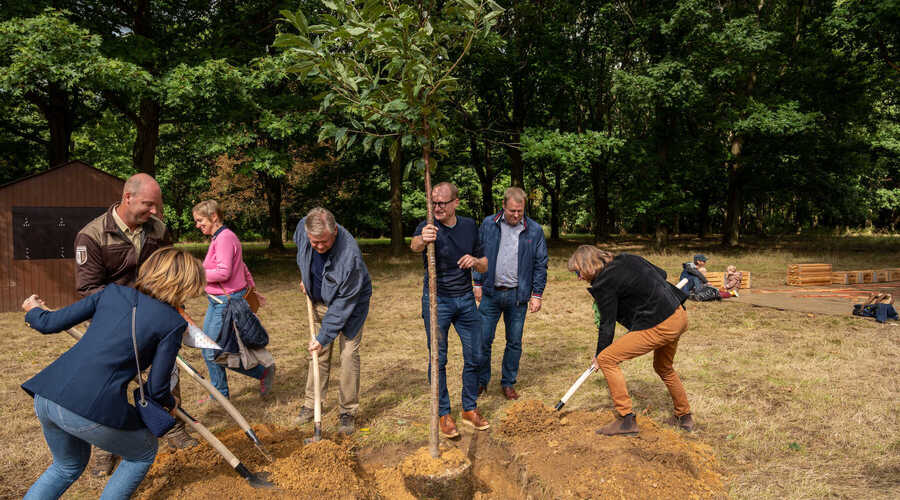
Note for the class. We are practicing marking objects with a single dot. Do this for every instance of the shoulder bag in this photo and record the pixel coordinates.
(154, 416)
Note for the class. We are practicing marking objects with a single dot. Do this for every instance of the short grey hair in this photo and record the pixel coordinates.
(319, 221)
(516, 194)
(454, 191)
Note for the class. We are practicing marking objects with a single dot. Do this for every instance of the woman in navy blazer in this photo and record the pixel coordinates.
(80, 399)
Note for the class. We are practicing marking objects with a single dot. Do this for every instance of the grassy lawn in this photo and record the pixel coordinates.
(794, 405)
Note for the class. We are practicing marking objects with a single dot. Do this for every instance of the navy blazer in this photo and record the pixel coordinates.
(91, 378)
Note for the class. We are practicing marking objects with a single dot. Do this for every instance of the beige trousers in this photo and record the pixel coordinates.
(348, 392)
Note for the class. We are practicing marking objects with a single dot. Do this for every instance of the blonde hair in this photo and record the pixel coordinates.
(207, 208)
(172, 276)
(319, 221)
(589, 261)
(514, 193)
(454, 191)
(731, 269)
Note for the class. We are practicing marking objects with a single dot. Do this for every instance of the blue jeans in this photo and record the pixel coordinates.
(492, 306)
(462, 314)
(70, 436)
(212, 327)
(693, 282)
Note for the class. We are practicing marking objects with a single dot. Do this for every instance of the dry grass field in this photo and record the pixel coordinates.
(794, 405)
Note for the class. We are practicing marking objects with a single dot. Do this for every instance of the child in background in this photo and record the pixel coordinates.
(733, 280)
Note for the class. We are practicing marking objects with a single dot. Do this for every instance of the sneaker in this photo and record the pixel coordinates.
(347, 423)
(620, 426)
(178, 438)
(266, 381)
(102, 462)
(305, 416)
(474, 418)
(448, 427)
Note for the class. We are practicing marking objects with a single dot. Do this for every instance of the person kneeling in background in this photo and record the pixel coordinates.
(628, 289)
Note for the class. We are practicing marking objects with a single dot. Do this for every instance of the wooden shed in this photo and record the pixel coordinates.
(39, 218)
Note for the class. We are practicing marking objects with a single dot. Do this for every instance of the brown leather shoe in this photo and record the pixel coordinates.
(475, 419)
(448, 427)
(102, 462)
(620, 426)
(509, 392)
(685, 422)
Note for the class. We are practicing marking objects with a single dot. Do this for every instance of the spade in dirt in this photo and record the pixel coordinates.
(317, 395)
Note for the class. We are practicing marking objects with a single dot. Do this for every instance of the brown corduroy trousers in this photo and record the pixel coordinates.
(662, 339)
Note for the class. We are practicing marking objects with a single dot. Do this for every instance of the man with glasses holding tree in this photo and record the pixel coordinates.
(457, 251)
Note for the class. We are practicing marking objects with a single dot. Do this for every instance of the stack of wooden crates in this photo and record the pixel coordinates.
(865, 276)
(809, 274)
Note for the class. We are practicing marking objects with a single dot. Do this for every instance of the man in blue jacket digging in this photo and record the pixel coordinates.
(514, 282)
(338, 283)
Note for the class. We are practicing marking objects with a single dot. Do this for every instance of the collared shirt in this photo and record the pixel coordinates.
(134, 236)
(317, 270)
(507, 273)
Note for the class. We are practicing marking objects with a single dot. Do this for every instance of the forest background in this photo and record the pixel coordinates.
(642, 117)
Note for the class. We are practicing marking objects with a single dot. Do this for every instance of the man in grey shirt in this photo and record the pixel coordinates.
(513, 284)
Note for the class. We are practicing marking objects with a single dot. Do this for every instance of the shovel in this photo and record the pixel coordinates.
(587, 373)
(255, 480)
(317, 396)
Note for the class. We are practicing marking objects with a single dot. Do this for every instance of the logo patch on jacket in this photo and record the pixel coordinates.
(80, 254)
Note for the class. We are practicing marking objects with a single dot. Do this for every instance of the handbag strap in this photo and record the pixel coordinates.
(143, 401)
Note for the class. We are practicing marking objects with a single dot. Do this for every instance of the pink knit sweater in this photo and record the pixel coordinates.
(224, 265)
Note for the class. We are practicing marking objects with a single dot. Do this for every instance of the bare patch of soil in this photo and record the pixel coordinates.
(567, 459)
(421, 463)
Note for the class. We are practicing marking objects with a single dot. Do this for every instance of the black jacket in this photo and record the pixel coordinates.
(633, 292)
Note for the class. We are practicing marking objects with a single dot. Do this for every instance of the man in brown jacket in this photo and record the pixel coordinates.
(110, 249)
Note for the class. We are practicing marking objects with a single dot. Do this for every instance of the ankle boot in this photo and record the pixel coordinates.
(621, 425)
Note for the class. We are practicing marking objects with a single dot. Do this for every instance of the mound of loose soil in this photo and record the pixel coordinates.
(421, 463)
(568, 459)
(317, 470)
(528, 416)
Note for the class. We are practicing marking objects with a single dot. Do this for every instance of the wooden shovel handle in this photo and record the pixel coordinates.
(317, 396)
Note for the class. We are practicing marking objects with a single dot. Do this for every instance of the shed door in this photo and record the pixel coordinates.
(49, 232)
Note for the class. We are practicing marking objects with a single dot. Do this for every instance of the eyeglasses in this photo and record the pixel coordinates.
(442, 204)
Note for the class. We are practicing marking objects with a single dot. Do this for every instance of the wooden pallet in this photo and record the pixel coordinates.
(865, 276)
(809, 274)
(717, 280)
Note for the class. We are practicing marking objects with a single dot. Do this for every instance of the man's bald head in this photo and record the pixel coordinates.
(141, 198)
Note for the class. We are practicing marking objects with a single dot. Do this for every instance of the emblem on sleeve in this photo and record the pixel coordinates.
(80, 254)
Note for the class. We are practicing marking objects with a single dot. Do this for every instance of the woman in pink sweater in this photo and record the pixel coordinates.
(227, 277)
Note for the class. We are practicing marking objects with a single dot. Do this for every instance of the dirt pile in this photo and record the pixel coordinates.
(318, 470)
(324, 469)
(421, 463)
(528, 416)
(568, 459)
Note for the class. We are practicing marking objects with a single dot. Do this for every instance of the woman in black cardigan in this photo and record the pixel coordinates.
(629, 290)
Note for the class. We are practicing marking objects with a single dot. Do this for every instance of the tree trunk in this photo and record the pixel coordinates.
(516, 166)
(273, 187)
(398, 246)
(433, 437)
(601, 201)
(554, 216)
(732, 230)
(703, 215)
(147, 140)
(60, 119)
